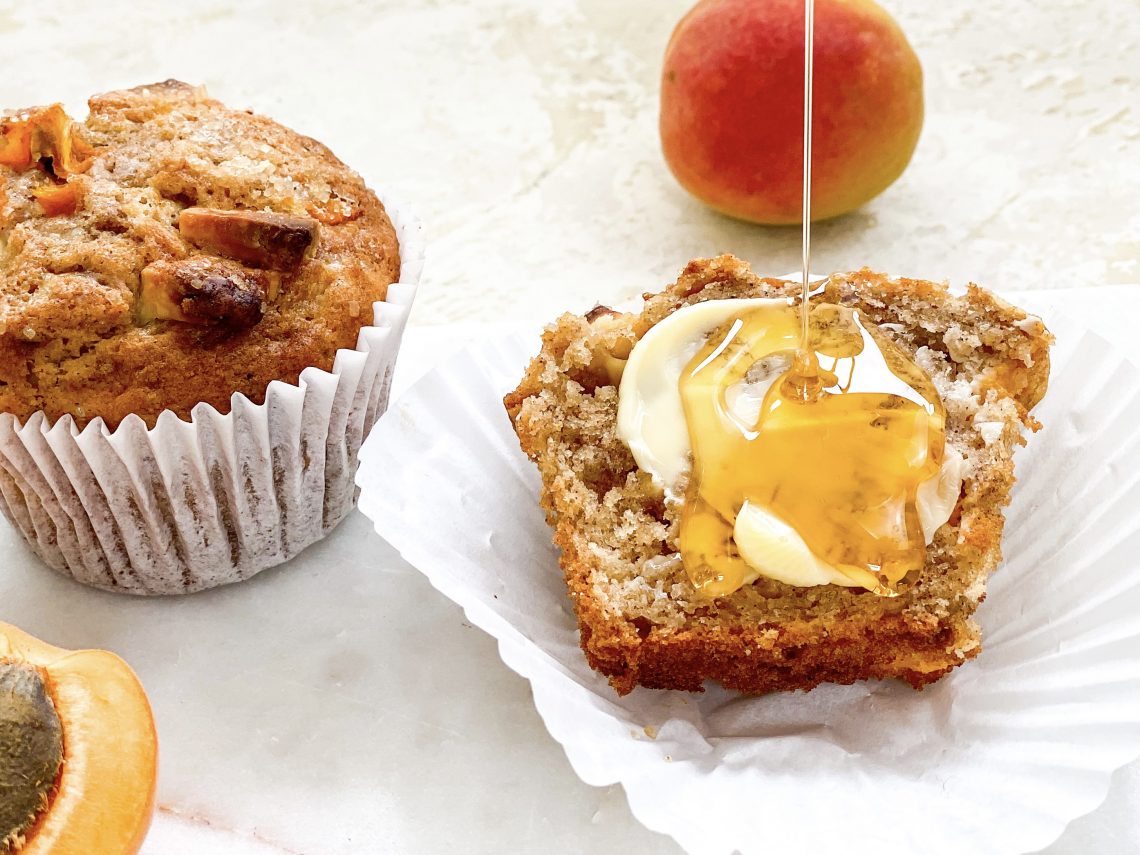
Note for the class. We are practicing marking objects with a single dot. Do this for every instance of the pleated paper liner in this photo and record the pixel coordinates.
(186, 506)
(995, 759)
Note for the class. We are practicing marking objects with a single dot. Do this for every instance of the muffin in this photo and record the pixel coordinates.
(643, 618)
(199, 315)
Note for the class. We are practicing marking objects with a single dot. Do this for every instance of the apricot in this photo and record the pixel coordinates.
(78, 751)
(732, 106)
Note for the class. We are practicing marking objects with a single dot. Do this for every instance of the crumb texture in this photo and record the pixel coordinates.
(226, 305)
(640, 619)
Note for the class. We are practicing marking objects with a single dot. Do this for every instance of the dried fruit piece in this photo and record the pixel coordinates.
(257, 238)
(58, 200)
(43, 135)
(15, 142)
(599, 311)
(201, 291)
(335, 211)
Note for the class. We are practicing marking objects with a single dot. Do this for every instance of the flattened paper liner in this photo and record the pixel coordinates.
(187, 506)
(995, 759)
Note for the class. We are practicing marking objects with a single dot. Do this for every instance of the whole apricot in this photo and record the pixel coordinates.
(732, 106)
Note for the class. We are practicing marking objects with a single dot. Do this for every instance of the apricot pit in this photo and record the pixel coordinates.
(31, 751)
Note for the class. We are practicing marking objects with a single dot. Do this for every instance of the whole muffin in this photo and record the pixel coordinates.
(163, 265)
(170, 251)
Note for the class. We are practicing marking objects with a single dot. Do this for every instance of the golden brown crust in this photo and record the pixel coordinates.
(640, 621)
(74, 338)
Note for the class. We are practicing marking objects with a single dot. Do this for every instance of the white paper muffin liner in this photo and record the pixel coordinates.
(186, 506)
(995, 759)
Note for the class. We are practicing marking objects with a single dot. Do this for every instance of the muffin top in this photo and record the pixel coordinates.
(170, 251)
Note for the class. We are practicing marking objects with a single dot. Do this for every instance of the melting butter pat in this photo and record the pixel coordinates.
(774, 549)
(651, 417)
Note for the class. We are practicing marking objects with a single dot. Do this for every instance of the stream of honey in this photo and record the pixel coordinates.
(807, 413)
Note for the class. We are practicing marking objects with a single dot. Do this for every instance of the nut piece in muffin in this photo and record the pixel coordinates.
(643, 620)
(170, 251)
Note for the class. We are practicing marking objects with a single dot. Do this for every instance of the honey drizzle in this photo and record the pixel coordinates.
(803, 381)
(805, 289)
(842, 467)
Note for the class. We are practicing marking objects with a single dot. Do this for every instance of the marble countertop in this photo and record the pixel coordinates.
(299, 712)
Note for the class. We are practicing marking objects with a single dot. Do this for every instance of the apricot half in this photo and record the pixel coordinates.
(732, 106)
(78, 751)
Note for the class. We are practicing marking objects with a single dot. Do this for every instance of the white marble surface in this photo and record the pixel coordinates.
(301, 712)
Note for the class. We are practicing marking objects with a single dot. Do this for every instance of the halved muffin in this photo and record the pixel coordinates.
(642, 622)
